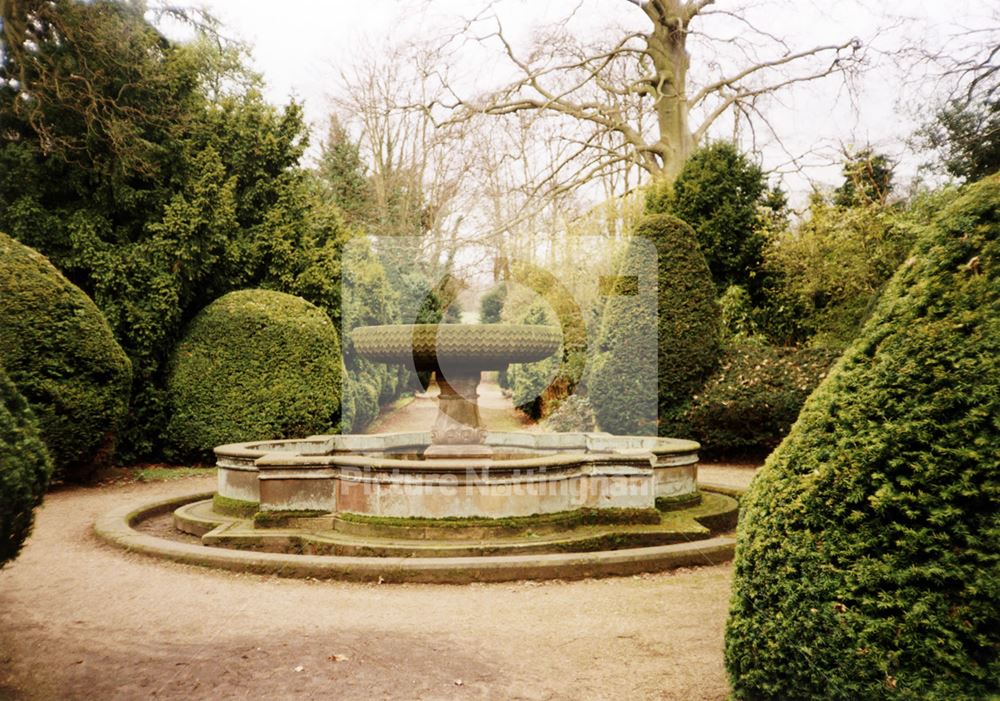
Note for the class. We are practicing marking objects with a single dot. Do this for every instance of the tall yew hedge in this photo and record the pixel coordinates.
(868, 557)
(686, 319)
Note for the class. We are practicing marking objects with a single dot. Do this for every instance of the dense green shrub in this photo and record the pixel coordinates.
(720, 193)
(59, 351)
(868, 557)
(253, 365)
(686, 319)
(25, 469)
(529, 381)
(751, 401)
(736, 314)
(574, 413)
(835, 264)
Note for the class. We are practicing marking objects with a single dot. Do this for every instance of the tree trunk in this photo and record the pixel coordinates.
(666, 45)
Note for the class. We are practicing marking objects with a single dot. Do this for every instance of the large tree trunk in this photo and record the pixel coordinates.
(666, 46)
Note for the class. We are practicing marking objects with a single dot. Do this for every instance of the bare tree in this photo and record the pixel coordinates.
(634, 98)
(415, 167)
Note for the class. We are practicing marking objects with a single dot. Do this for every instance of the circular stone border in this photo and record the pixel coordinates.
(117, 528)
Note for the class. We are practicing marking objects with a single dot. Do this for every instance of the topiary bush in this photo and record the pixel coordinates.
(59, 351)
(752, 400)
(686, 320)
(25, 469)
(252, 365)
(868, 557)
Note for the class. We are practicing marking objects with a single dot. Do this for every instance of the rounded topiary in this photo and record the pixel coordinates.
(25, 469)
(252, 365)
(685, 317)
(868, 557)
(59, 351)
(749, 403)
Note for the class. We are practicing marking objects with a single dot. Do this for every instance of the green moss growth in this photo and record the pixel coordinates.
(253, 365)
(59, 351)
(234, 507)
(25, 469)
(686, 347)
(678, 502)
(168, 474)
(277, 519)
(569, 519)
(868, 559)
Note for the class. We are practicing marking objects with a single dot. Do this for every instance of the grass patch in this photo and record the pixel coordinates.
(167, 474)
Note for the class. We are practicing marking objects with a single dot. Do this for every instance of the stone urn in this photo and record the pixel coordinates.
(458, 354)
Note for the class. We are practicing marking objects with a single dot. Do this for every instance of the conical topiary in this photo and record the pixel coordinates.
(868, 557)
(659, 338)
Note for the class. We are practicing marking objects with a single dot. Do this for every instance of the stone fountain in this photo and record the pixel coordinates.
(460, 490)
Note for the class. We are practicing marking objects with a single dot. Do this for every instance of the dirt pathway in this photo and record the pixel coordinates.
(82, 620)
(496, 411)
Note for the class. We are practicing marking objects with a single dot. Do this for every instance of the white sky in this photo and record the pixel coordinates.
(299, 45)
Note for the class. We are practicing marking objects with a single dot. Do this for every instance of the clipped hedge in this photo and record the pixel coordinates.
(25, 469)
(686, 320)
(59, 351)
(749, 404)
(252, 365)
(868, 557)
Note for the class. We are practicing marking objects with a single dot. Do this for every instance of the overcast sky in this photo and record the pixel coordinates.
(300, 45)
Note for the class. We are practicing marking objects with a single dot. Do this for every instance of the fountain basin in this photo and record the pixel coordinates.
(528, 474)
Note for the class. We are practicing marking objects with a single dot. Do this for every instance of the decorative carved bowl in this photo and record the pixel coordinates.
(469, 346)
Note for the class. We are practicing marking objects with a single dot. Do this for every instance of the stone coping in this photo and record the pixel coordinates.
(116, 527)
(320, 449)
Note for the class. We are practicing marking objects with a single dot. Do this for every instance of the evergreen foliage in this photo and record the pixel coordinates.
(867, 179)
(686, 346)
(491, 305)
(529, 381)
(25, 469)
(966, 133)
(58, 350)
(253, 365)
(720, 193)
(749, 404)
(156, 177)
(868, 556)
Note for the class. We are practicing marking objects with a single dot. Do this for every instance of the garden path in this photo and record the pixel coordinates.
(82, 620)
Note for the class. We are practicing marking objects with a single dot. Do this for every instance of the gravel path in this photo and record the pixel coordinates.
(82, 620)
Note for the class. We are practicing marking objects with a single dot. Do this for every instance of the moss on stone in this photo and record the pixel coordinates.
(234, 507)
(277, 519)
(567, 519)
